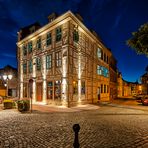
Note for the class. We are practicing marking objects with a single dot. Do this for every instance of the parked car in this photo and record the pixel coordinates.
(143, 99)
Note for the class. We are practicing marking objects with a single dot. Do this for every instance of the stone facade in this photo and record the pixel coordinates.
(72, 69)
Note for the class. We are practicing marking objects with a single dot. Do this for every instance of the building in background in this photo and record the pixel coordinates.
(144, 81)
(127, 89)
(12, 84)
(68, 63)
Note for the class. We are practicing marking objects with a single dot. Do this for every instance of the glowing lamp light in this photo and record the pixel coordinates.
(9, 77)
(4, 77)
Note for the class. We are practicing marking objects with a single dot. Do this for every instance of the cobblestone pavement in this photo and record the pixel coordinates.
(106, 127)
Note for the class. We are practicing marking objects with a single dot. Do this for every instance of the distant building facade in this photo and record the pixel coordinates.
(127, 89)
(68, 64)
(144, 81)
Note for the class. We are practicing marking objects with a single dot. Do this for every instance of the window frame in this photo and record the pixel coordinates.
(30, 45)
(58, 59)
(48, 39)
(58, 34)
(76, 36)
(38, 63)
(49, 61)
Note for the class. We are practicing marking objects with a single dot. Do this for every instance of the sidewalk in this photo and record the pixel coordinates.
(130, 104)
(51, 108)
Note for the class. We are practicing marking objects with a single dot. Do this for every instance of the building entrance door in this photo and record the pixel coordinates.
(39, 92)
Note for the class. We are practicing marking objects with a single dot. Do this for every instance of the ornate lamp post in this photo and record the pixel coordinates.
(7, 78)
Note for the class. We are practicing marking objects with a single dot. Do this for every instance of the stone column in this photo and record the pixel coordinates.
(21, 79)
(34, 81)
(44, 79)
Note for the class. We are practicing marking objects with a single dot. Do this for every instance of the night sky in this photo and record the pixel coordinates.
(113, 20)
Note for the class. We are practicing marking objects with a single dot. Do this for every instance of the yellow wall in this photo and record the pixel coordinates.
(2, 92)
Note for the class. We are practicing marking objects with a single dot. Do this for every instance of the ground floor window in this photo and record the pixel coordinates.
(57, 90)
(49, 90)
(83, 87)
(75, 87)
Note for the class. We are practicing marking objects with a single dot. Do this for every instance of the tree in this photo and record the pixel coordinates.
(139, 40)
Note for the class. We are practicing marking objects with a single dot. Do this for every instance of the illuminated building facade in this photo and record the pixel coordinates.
(68, 63)
(144, 81)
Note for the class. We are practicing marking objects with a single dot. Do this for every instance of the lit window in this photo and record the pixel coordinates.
(38, 63)
(48, 61)
(30, 66)
(58, 34)
(75, 87)
(24, 50)
(48, 39)
(25, 68)
(75, 36)
(99, 53)
(58, 59)
(38, 43)
(101, 70)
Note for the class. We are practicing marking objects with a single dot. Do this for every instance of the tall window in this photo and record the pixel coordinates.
(75, 87)
(48, 39)
(58, 34)
(24, 50)
(101, 88)
(48, 61)
(75, 36)
(29, 47)
(58, 59)
(99, 70)
(104, 57)
(38, 43)
(25, 68)
(30, 66)
(104, 88)
(99, 52)
(101, 55)
(38, 63)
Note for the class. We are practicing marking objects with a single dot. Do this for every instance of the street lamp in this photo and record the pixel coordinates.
(7, 78)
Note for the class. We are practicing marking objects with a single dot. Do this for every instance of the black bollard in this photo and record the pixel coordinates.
(76, 129)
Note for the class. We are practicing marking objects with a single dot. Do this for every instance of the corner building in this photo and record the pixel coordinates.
(68, 63)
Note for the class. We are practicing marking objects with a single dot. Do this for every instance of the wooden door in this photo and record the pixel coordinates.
(39, 92)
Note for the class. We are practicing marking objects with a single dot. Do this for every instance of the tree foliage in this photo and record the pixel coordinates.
(139, 40)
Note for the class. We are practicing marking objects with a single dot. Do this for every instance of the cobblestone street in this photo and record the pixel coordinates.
(104, 127)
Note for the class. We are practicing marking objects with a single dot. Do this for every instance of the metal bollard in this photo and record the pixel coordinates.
(76, 129)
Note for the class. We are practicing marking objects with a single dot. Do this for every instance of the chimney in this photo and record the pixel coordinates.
(52, 17)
